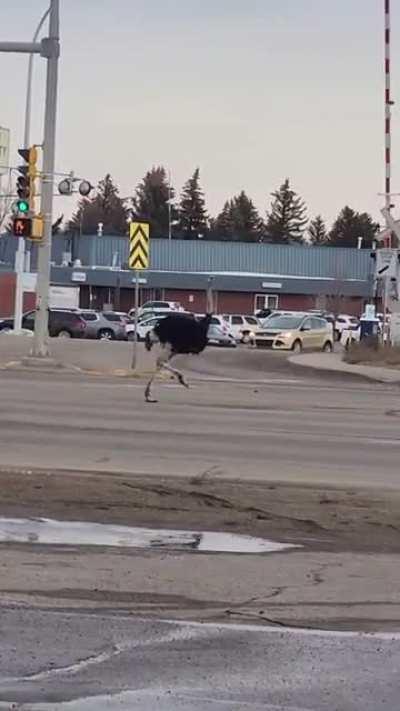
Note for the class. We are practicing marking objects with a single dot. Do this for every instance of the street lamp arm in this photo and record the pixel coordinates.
(27, 129)
(23, 47)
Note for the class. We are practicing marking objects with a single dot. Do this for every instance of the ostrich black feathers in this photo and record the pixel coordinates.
(181, 332)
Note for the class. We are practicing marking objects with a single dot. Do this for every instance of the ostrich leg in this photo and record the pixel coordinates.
(163, 363)
(174, 371)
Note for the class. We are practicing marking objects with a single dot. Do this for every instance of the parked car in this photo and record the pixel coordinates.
(296, 332)
(101, 327)
(158, 306)
(219, 337)
(6, 325)
(63, 323)
(264, 322)
(120, 317)
(150, 314)
(263, 313)
(218, 320)
(144, 327)
(342, 322)
(242, 327)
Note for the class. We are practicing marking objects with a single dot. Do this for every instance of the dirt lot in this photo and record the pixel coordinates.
(334, 519)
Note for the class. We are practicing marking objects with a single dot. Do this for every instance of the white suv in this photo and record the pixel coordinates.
(242, 327)
(343, 322)
(160, 306)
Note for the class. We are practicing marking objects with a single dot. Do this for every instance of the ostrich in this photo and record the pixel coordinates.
(176, 333)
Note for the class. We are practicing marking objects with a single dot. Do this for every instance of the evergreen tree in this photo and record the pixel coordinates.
(349, 226)
(318, 232)
(239, 221)
(193, 218)
(222, 227)
(151, 201)
(287, 219)
(247, 224)
(105, 206)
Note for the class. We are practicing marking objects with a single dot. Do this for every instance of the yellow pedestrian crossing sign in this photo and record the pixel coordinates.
(139, 245)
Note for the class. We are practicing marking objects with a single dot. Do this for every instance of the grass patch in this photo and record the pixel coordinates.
(373, 354)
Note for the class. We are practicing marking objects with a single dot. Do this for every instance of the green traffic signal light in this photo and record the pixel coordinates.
(23, 206)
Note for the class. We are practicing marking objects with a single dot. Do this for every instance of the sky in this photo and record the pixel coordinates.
(251, 92)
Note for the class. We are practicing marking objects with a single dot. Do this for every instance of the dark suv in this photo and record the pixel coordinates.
(64, 324)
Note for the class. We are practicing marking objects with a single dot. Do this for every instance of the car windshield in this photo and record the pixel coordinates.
(284, 322)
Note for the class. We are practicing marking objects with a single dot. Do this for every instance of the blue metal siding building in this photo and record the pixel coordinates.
(199, 256)
(244, 276)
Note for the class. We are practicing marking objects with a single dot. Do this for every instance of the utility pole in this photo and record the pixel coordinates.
(49, 48)
(20, 261)
(40, 347)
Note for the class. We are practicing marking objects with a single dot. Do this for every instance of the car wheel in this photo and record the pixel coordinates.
(297, 347)
(64, 334)
(6, 329)
(106, 334)
(131, 336)
(327, 347)
(245, 338)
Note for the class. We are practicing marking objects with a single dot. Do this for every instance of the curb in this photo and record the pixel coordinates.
(58, 368)
(347, 370)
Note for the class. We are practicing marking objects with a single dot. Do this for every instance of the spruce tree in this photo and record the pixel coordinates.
(239, 221)
(222, 227)
(287, 218)
(247, 224)
(349, 226)
(192, 214)
(317, 232)
(105, 206)
(151, 201)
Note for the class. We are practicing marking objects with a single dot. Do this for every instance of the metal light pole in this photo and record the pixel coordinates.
(20, 255)
(40, 347)
(27, 129)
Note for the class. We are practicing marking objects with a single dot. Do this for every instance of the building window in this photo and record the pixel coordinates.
(266, 301)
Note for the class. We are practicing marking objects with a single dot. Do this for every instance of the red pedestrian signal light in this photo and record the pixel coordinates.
(22, 226)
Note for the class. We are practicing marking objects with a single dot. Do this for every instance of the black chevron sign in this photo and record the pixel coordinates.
(139, 245)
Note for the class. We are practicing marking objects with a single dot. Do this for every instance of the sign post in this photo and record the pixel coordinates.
(139, 253)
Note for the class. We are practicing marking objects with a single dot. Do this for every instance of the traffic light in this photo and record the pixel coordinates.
(22, 226)
(26, 180)
(29, 228)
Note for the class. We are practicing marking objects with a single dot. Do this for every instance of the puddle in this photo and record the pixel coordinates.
(50, 532)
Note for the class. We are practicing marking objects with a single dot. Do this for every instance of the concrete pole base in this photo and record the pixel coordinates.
(40, 362)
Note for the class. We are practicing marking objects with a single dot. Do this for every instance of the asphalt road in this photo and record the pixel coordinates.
(247, 414)
(88, 662)
(70, 635)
